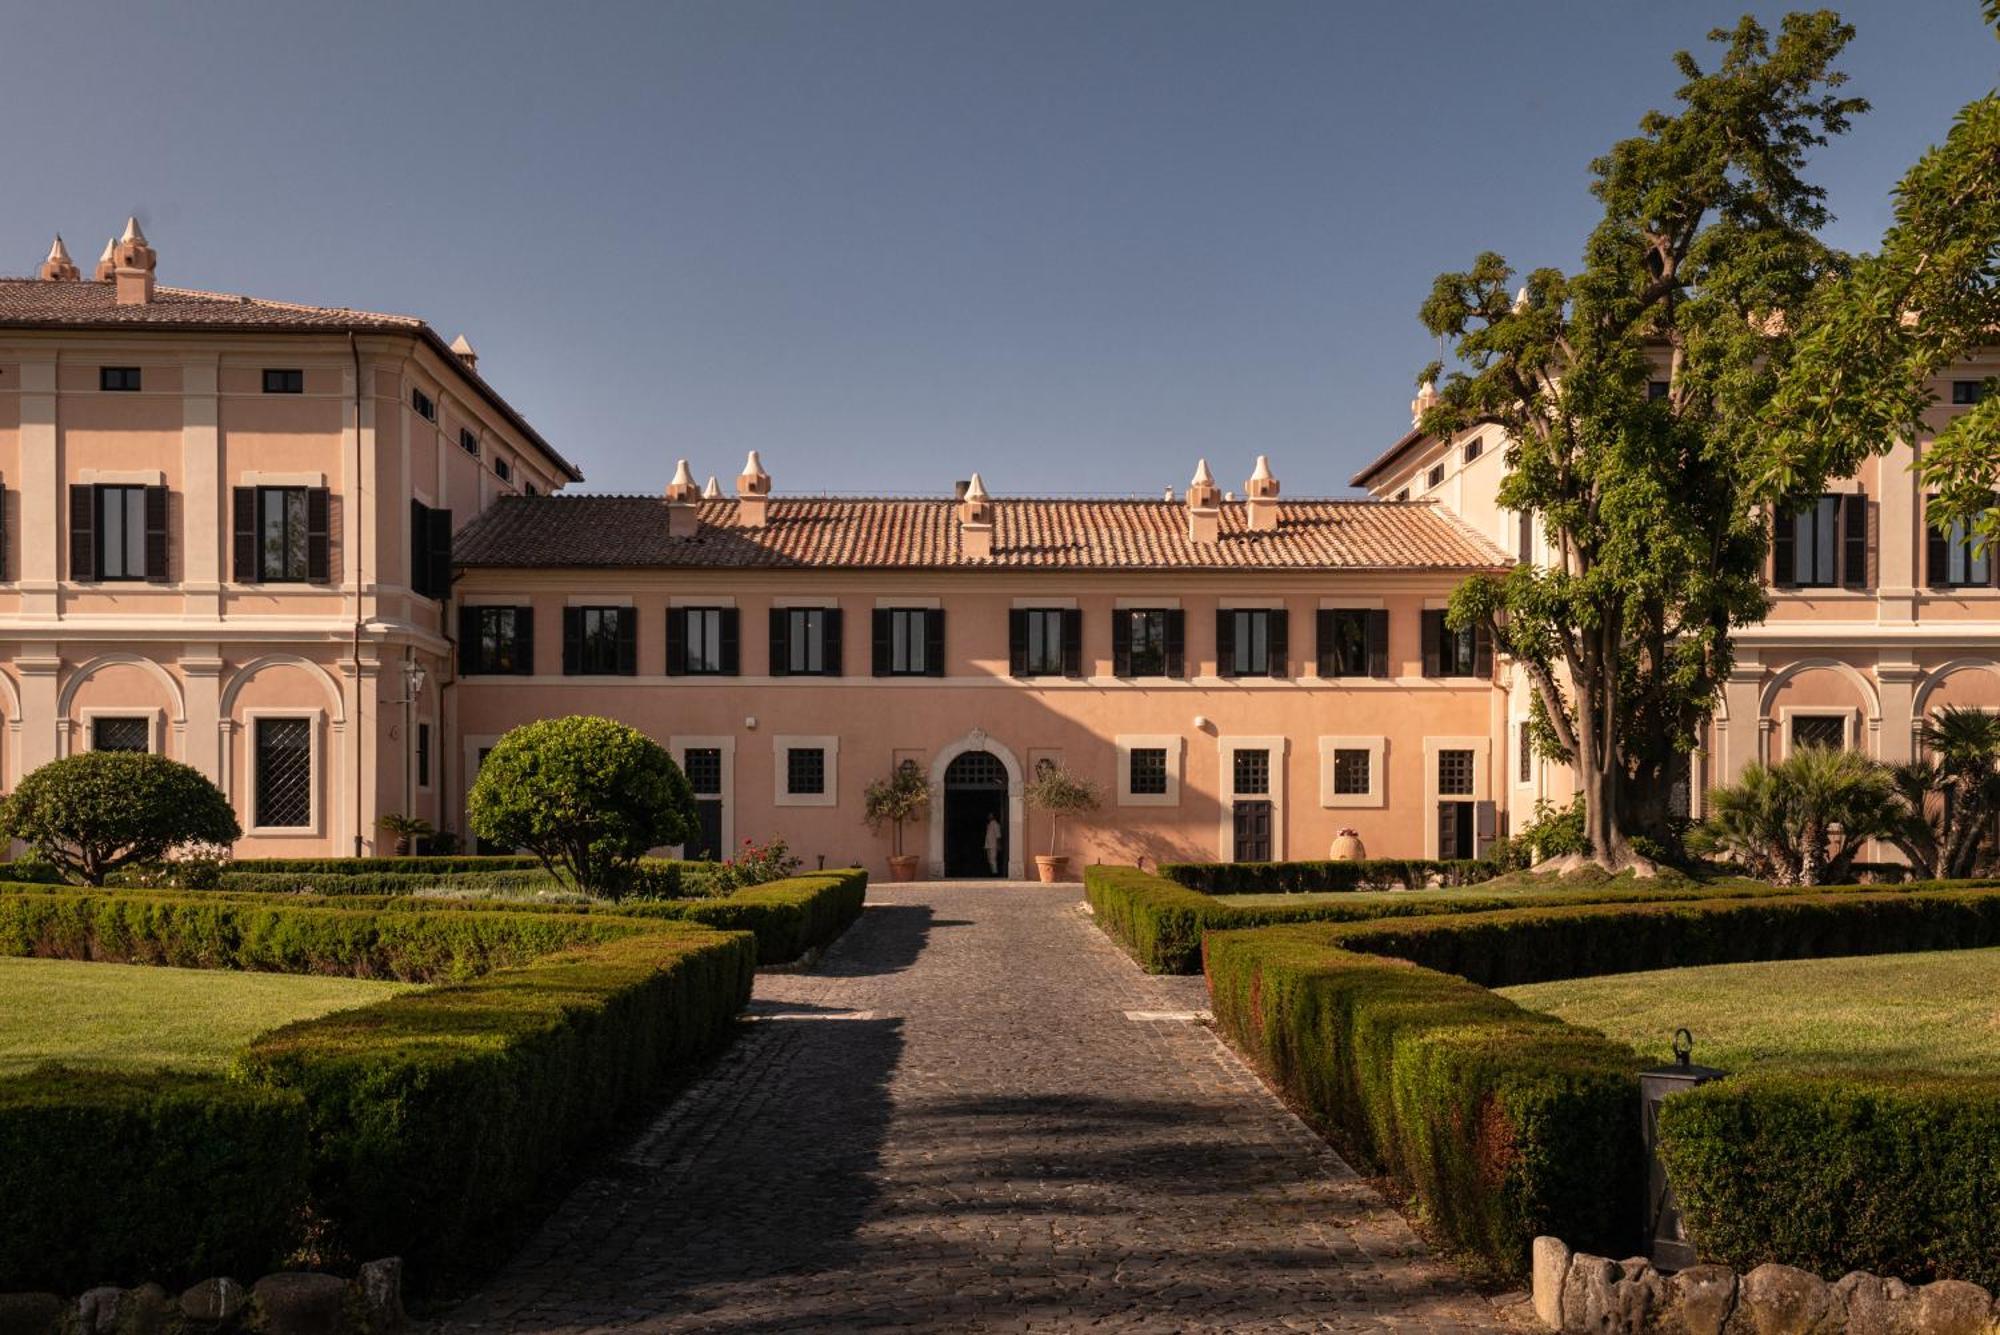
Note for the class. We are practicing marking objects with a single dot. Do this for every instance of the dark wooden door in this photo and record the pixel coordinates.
(1253, 830)
(1456, 829)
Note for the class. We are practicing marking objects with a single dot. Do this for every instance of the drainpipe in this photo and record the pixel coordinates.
(354, 523)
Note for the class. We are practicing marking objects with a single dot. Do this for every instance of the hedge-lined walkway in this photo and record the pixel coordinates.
(953, 1125)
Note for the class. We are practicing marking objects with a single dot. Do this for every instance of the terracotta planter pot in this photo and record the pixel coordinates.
(903, 867)
(1052, 868)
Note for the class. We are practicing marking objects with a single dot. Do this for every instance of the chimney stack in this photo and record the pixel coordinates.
(753, 494)
(58, 267)
(462, 346)
(132, 264)
(1427, 397)
(1203, 508)
(683, 504)
(975, 521)
(1260, 498)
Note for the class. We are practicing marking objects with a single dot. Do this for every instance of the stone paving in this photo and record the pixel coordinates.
(952, 1124)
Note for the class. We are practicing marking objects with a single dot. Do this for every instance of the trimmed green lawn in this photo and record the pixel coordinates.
(1938, 1011)
(137, 1017)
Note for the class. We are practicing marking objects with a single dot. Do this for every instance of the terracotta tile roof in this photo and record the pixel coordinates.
(866, 534)
(31, 303)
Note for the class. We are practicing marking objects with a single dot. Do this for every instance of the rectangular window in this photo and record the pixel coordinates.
(601, 636)
(703, 628)
(1245, 641)
(502, 469)
(1955, 557)
(430, 551)
(1967, 392)
(1437, 476)
(118, 379)
(1351, 772)
(284, 772)
(1473, 448)
(1042, 646)
(1353, 642)
(1149, 771)
(1657, 390)
(121, 734)
(284, 381)
(800, 645)
(426, 406)
(909, 642)
(529, 489)
(283, 545)
(423, 755)
(1251, 772)
(1827, 730)
(496, 641)
(703, 765)
(805, 771)
(121, 532)
(1455, 653)
(1524, 748)
(468, 442)
(1814, 545)
(1455, 773)
(1148, 653)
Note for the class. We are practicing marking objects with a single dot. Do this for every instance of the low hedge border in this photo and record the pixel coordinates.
(662, 878)
(1161, 922)
(435, 1124)
(1299, 878)
(1506, 1124)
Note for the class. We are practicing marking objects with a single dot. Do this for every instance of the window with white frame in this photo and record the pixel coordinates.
(281, 764)
(1456, 772)
(1149, 770)
(1351, 771)
(806, 771)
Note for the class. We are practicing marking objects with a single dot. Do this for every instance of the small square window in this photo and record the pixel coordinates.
(283, 381)
(1965, 392)
(118, 379)
(502, 469)
(1149, 771)
(1252, 772)
(1351, 772)
(1455, 773)
(121, 734)
(805, 771)
(468, 441)
(1473, 448)
(528, 489)
(1657, 390)
(1437, 476)
(425, 405)
(703, 766)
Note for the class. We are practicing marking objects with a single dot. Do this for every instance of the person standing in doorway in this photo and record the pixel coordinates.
(993, 845)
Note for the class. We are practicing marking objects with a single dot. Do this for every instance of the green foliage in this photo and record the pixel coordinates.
(389, 882)
(1554, 833)
(406, 830)
(1299, 878)
(126, 1178)
(755, 864)
(93, 813)
(1946, 801)
(588, 796)
(450, 866)
(791, 918)
(904, 796)
(1892, 1174)
(1649, 504)
(1060, 793)
(1805, 820)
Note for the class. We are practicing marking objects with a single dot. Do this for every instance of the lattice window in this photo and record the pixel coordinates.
(1455, 773)
(284, 773)
(805, 771)
(1253, 772)
(1351, 772)
(1827, 730)
(976, 769)
(121, 734)
(704, 770)
(1149, 771)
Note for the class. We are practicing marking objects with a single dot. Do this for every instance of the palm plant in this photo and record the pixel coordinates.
(1806, 820)
(1946, 801)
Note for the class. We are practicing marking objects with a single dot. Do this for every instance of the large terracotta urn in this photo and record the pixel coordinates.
(1347, 847)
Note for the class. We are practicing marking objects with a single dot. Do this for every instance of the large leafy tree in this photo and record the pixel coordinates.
(1657, 545)
(93, 813)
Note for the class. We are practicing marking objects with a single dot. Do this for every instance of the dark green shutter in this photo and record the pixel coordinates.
(1072, 642)
(1121, 643)
(1225, 642)
(1017, 641)
(1854, 541)
(1176, 642)
(524, 641)
(1280, 642)
(1433, 644)
(83, 532)
(934, 642)
(156, 534)
(572, 640)
(781, 641)
(1378, 642)
(319, 535)
(730, 642)
(832, 646)
(243, 533)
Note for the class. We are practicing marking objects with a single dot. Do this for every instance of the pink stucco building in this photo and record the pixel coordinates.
(313, 553)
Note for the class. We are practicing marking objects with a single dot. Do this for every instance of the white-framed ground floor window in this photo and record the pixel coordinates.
(282, 751)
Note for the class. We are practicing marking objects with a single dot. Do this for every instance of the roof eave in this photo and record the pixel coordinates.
(1410, 439)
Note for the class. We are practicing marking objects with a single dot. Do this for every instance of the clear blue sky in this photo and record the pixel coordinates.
(1072, 245)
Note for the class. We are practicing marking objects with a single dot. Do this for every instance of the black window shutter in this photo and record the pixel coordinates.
(628, 641)
(677, 647)
(1072, 641)
(439, 556)
(420, 546)
(882, 642)
(1280, 642)
(319, 529)
(1937, 550)
(831, 645)
(1433, 644)
(572, 640)
(781, 641)
(1378, 642)
(1017, 642)
(83, 532)
(1323, 648)
(468, 639)
(1854, 541)
(156, 533)
(524, 641)
(1225, 643)
(243, 531)
(731, 642)
(3, 533)
(1784, 551)
(1176, 642)
(1121, 643)
(1482, 652)
(934, 642)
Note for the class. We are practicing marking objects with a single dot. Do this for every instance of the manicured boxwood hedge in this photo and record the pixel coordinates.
(1295, 878)
(445, 865)
(1506, 1124)
(436, 1124)
(172, 1178)
(523, 882)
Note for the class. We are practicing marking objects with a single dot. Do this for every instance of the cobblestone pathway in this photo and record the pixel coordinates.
(954, 1125)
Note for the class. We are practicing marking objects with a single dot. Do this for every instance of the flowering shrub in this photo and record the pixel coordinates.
(757, 863)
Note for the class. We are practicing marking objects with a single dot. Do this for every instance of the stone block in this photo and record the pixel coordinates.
(1783, 1300)
(1639, 1297)
(1589, 1300)
(1706, 1298)
(1876, 1306)
(1551, 1266)
(98, 1309)
(300, 1303)
(145, 1311)
(214, 1300)
(380, 1288)
(1954, 1307)
(30, 1313)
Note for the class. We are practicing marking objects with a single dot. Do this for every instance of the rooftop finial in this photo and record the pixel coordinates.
(753, 493)
(975, 490)
(1202, 477)
(1521, 299)
(1427, 397)
(462, 348)
(58, 267)
(711, 490)
(105, 264)
(132, 232)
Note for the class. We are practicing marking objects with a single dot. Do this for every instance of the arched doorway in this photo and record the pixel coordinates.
(975, 816)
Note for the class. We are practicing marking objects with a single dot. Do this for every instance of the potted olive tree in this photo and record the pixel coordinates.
(903, 796)
(1059, 793)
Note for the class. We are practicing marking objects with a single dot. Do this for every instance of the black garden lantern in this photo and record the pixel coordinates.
(1667, 1242)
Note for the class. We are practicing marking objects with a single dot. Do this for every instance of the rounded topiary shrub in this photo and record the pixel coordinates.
(90, 814)
(586, 795)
